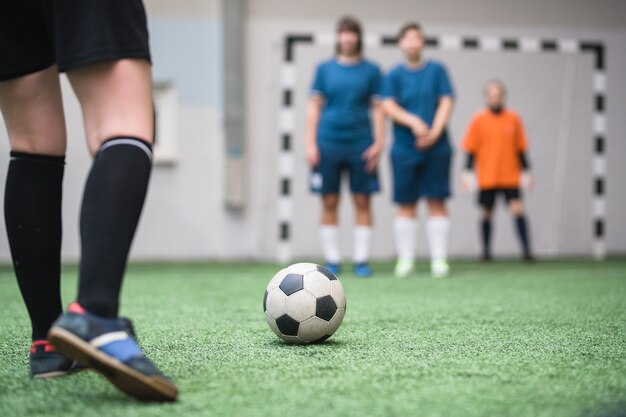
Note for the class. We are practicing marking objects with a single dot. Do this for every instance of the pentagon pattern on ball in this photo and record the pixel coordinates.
(325, 308)
(304, 303)
(292, 283)
(335, 322)
(287, 325)
(327, 273)
(276, 280)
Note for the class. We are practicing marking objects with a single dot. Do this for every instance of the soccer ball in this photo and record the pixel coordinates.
(304, 303)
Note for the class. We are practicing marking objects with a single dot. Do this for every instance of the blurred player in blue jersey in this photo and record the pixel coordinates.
(102, 46)
(418, 97)
(345, 134)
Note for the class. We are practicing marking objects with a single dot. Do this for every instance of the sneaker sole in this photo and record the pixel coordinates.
(124, 378)
(56, 374)
(53, 374)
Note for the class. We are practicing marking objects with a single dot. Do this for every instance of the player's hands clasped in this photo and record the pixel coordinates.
(428, 140)
(419, 128)
(425, 137)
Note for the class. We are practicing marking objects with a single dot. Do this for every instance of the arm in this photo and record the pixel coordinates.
(468, 179)
(313, 113)
(470, 145)
(523, 161)
(526, 180)
(396, 113)
(372, 154)
(442, 117)
(469, 162)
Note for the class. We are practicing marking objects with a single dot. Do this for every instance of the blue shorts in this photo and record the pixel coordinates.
(335, 159)
(418, 174)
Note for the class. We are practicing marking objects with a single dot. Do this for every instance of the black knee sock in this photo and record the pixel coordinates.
(485, 229)
(522, 232)
(32, 211)
(112, 203)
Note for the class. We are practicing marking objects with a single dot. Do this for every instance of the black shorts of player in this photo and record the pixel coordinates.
(487, 197)
(35, 34)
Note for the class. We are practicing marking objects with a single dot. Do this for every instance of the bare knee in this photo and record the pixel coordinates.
(32, 108)
(330, 202)
(516, 207)
(363, 215)
(407, 210)
(437, 207)
(361, 202)
(116, 99)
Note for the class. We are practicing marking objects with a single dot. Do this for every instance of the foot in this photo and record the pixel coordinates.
(440, 268)
(335, 269)
(46, 362)
(404, 268)
(108, 346)
(529, 258)
(486, 258)
(362, 270)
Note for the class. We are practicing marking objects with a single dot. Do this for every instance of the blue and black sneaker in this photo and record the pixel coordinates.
(362, 270)
(46, 362)
(109, 347)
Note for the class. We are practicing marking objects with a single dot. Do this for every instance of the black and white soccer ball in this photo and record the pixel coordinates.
(304, 303)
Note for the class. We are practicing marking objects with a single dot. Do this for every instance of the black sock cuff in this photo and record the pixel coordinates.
(32, 157)
(127, 140)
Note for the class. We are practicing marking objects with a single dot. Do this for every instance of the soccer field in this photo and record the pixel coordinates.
(504, 339)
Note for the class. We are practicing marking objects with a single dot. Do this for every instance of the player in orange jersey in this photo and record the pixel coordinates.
(496, 146)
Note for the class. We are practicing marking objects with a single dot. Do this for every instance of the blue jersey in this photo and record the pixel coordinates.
(347, 90)
(417, 91)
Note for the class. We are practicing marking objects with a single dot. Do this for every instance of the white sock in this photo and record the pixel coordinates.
(330, 245)
(438, 228)
(405, 229)
(362, 237)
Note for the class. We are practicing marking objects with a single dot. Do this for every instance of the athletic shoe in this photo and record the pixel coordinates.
(46, 362)
(362, 270)
(404, 268)
(528, 258)
(439, 268)
(107, 346)
(335, 269)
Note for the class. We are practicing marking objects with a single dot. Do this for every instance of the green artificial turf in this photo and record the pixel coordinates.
(504, 339)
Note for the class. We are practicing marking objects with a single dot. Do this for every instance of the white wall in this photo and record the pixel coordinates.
(184, 217)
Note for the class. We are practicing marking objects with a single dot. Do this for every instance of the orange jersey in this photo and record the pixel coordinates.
(496, 141)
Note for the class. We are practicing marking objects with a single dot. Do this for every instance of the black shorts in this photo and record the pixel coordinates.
(35, 34)
(487, 198)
